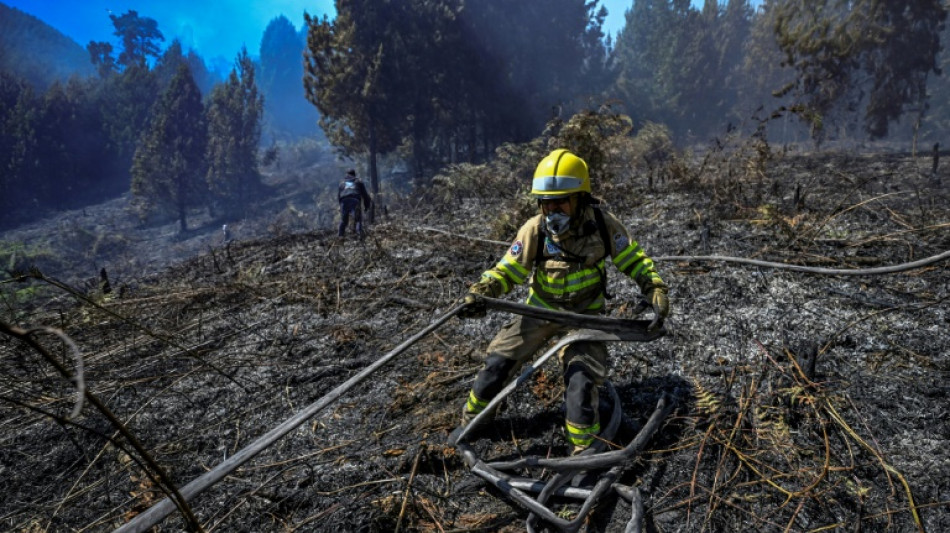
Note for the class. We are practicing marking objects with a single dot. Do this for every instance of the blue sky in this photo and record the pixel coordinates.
(213, 29)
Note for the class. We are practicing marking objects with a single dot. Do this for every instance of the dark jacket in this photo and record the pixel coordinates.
(353, 187)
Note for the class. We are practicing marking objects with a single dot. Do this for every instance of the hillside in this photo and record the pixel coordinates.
(33, 50)
(201, 356)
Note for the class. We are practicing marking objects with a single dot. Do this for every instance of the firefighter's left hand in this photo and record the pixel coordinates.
(661, 306)
(636, 308)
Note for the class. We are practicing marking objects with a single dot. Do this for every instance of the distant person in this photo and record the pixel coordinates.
(351, 192)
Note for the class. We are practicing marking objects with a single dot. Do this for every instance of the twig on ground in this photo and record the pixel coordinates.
(405, 496)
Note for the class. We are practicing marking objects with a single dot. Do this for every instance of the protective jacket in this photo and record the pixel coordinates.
(570, 269)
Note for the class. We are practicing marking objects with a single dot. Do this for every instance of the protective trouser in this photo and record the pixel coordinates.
(583, 364)
(351, 206)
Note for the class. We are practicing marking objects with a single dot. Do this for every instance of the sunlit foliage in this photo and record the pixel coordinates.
(870, 54)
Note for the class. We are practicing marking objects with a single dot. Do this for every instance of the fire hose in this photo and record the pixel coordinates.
(593, 328)
(609, 328)
(156, 513)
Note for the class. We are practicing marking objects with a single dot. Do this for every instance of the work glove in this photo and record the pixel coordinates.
(658, 300)
(474, 306)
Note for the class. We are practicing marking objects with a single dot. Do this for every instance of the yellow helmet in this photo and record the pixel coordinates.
(559, 174)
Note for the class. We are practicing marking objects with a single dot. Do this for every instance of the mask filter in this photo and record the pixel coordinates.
(557, 223)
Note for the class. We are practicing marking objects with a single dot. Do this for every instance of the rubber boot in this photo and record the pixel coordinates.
(582, 421)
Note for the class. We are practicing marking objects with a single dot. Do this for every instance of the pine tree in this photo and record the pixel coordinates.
(168, 167)
(937, 125)
(535, 56)
(125, 102)
(234, 132)
(730, 33)
(199, 70)
(765, 83)
(140, 36)
(640, 51)
(18, 141)
(53, 175)
(870, 54)
(166, 67)
(100, 53)
(352, 75)
(440, 78)
(86, 145)
(690, 78)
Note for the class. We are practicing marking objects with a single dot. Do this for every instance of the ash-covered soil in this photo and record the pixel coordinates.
(199, 359)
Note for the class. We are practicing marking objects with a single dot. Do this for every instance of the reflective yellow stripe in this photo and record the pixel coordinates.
(491, 274)
(474, 405)
(508, 273)
(559, 287)
(629, 256)
(522, 271)
(515, 271)
(581, 436)
(572, 283)
(637, 271)
(536, 301)
(644, 267)
(598, 303)
(631, 248)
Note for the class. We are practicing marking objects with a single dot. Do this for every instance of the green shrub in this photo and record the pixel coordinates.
(20, 257)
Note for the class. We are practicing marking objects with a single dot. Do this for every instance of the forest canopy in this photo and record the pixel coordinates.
(438, 82)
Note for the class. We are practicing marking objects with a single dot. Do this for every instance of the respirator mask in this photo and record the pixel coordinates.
(557, 223)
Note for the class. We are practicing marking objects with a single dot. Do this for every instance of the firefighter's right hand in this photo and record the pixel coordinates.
(660, 303)
(474, 306)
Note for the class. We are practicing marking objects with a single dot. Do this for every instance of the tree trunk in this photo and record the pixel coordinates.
(373, 172)
(182, 208)
(182, 220)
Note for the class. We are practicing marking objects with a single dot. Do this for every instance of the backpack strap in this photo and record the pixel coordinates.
(539, 249)
(602, 227)
(604, 236)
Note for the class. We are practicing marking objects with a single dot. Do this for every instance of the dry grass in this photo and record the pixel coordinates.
(198, 359)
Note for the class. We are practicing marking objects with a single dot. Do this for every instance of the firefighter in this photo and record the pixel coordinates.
(351, 192)
(563, 250)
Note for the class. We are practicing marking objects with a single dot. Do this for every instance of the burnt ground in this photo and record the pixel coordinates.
(201, 356)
